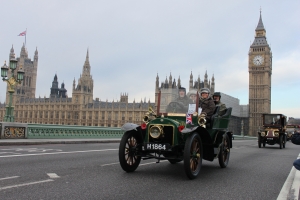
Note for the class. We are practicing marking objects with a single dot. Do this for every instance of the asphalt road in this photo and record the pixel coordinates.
(92, 171)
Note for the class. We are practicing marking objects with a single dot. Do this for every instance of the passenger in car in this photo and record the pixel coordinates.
(182, 98)
(206, 103)
(217, 100)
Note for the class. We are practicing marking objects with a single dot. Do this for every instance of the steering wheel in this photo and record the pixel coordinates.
(176, 107)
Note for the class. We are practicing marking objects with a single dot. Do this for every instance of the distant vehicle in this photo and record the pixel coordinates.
(291, 129)
(176, 133)
(273, 130)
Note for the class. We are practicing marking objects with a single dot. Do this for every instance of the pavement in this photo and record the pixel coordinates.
(289, 191)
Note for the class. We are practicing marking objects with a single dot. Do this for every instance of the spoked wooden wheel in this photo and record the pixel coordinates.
(224, 151)
(128, 149)
(193, 155)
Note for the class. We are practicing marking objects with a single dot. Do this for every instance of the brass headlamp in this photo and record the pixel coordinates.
(202, 120)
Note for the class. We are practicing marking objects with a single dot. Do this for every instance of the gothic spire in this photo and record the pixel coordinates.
(12, 53)
(86, 67)
(260, 25)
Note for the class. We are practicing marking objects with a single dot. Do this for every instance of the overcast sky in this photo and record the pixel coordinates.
(130, 42)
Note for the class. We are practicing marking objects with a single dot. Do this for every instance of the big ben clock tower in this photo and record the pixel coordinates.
(260, 72)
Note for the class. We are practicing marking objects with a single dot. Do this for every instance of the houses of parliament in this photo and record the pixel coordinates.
(80, 109)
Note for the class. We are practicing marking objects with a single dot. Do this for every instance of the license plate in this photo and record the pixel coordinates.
(156, 146)
(269, 138)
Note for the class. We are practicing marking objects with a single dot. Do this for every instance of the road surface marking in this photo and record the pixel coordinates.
(9, 178)
(52, 175)
(25, 184)
(139, 164)
(109, 164)
(54, 153)
(153, 162)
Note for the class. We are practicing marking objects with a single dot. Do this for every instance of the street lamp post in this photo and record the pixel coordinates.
(11, 81)
(242, 131)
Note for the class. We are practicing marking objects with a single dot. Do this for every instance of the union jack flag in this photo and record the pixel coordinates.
(189, 118)
(22, 34)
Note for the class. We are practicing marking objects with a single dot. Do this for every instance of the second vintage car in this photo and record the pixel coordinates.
(274, 130)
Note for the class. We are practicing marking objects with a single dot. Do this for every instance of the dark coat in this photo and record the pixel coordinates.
(223, 108)
(208, 106)
(296, 138)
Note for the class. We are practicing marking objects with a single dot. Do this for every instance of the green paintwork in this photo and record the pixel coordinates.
(219, 127)
(43, 131)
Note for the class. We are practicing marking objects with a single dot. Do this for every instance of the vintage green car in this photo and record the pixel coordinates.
(176, 132)
(274, 130)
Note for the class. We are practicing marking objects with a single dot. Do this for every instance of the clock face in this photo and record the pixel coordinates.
(258, 60)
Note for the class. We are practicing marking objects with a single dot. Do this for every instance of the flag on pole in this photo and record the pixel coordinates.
(22, 34)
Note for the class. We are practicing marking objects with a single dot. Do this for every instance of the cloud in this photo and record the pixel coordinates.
(131, 41)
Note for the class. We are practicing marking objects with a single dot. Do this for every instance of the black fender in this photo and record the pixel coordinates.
(229, 134)
(207, 142)
(131, 127)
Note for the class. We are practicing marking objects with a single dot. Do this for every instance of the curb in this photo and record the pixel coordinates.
(291, 187)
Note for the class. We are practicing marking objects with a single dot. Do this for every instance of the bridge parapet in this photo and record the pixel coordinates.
(44, 131)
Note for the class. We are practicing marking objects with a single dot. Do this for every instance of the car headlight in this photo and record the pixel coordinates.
(156, 131)
(276, 134)
(262, 134)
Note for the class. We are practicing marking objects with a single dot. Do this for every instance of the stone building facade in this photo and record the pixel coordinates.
(260, 72)
(194, 85)
(28, 87)
(81, 108)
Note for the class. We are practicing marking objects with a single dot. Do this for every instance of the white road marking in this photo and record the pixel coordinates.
(25, 184)
(153, 162)
(11, 177)
(109, 164)
(139, 164)
(30, 149)
(52, 175)
(54, 153)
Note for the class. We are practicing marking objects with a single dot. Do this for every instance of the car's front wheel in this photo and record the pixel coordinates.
(129, 160)
(224, 152)
(193, 155)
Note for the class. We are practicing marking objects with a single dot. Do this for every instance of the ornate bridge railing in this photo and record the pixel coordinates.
(44, 131)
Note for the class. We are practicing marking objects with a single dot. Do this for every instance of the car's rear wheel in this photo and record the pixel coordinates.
(259, 141)
(224, 153)
(193, 155)
(128, 149)
(280, 141)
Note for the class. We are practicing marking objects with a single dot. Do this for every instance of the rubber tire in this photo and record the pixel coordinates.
(190, 156)
(124, 144)
(280, 141)
(224, 149)
(259, 141)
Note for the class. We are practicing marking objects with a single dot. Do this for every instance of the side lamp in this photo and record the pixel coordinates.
(4, 70)
(20, 74)
(13, 64)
